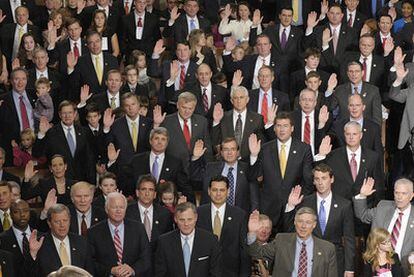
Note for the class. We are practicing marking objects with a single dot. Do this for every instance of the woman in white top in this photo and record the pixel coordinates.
(239, 28)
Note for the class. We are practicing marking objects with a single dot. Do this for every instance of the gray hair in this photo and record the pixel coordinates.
(70, 271)
(159, 131)
(235, 89)
(14, 184)
(303, 91)
(185, 206)
(353, 124)
(57, 209)
(406, 182)
(305, 210)
(187, 97)
(114, 195)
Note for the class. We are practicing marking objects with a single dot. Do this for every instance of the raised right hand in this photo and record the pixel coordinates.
(367, 187)
(199, 149)
(254, 223)
(254, 145)
(218, 113)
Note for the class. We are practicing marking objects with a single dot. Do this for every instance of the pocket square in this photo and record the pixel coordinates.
(203, 258)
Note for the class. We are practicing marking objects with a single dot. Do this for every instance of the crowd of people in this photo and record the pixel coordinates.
(206, 138)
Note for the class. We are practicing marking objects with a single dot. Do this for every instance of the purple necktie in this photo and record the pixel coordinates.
(284, 39)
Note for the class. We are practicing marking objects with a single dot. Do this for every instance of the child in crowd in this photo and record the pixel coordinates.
(169, 197)
(23, 154)
(44, 103)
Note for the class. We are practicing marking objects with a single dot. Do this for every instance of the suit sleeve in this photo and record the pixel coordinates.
(377, 108)
(144, 261)
(333, 267)
(197, 169)
(307, 184)
(207, 142)
(266, 251)
(349, 237)
(362, 212)
(183, 183)
(398, 94)
(216, 260)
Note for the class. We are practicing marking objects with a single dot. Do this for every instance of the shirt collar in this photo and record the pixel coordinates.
(100, 55)
(357, 152)
(58, 241)
(19, 233)
(287, 143)
(221, 210)
(129, 120)
(189, 236)
(113, 227)
(327, 198)
(142, 209)
(87, 214)
(160, 156)
(311, 114)
(208, 87)
(67, 127)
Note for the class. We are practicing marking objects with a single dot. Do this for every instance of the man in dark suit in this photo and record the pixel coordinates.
(293, 254)
(112, 14)
(186, 128)
(8, 9)
(119, 245)
(299, 12)
(373, 9)
(59, 247)
(125, 7)
(243, 192)
(16, 112)
(82, 214)
(384, 36)
(5, 176)
(370, 93)
(335, 217)
(283, 163)
(188, 251)
(141, 30)
(238, 122)
(352, 17)
(228, 223)
(6, 260)
(69, 140)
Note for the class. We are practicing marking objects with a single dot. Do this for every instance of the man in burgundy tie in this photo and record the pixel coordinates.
(293, 254)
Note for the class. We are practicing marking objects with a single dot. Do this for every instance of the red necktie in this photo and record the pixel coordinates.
(182, 76)
(350, 20)
(186, 132)
(264, 107)
(126, 7)
(303, 261)
(75, 50)
(23, 114)
(118, 245)
(353, 165)
(205, 100)
(139, 24)
(383, 42)
(306, 133)
(396, 230)
(84, 227)
(364, 67)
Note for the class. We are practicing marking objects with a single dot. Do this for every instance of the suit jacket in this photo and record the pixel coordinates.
(370, 95)
(59, 53)
(279, 98)
(6, 8)
(136, 248)
(365, 7)
(86, 15)
(339, 229)
(357, 21)
(179, 30)
(254, 124)
(379, 50)
(42, 189)
(380, 217)
(7, 264)
(206, 255)
(79, 167)
(275, 191)
(232, 238)
(97, 216)
(9, 177)
(247, 191)
(297, 82)
(150, 33)
(282, 251)
(48, 259)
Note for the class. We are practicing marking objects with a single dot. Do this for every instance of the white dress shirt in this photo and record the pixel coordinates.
(129, 122)
(208, 92)
(221, 212)
(196, 23)
(287, 31)
(72, 132)
(326, 205)
(150, 213)
(357, 156)
(348, 13)
(121, 231)
(287, 147)
(66, 241)
(139, 30)
(403, 228)
(177, 80)
(101, 62)
(269, 100)
(259, 64)
(181, 121)
(190, 240)
(40, 74)
(117, 98)
(29, 108)
(160, 161)
(19, 236)
(78, 44)
(368, 62)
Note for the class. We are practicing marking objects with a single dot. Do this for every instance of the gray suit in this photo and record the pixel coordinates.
(380, 217)
(282, 252)
(370, 95)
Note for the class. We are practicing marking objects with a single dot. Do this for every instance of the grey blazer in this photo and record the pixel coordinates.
(380, 217)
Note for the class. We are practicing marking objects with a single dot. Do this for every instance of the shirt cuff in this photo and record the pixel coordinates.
(393, 69)
(360, 197)
(289, 208)
(155, 56)
(319, 157)
(253, 160)
(106, 130)
(215, 124)
(226, 52)
(324, 48)
(308, 33)
(109, 164)
(81, 105)
(268, 125)
(169, 83)
(40, 135)
(70, 70)
(328, 93)
(251, 238)
(396, 83)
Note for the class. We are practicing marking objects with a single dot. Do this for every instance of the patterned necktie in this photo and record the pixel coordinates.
(303, 262)
(322, 217)
(75, 50)
(217, 225)
(238, 130)
(192, 25)
(155, 168)
(356, 91)
(126, 7)
(186, 132)
(118, 245)
(182, 76)
(23, 114)
(98, 69)
(282, 160)
(25, 245)
(230, 176)
(205, 100)
(186, 255)
(20, 34)
(147, 224)
(113, 103)
(84, 227)
(334, 40)
(6, 221)
(71, 142)
(306, 131)
(364, 68)
(384, 40)
(139, 23)
(354, 167)
(264, 107)
(396, 230)
(63, 254)
(350, 20)
(134, 135)
(284, 39)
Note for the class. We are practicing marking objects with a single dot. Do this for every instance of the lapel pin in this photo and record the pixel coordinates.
(73, 249)
(14, 245)
(292, 35)
(4, 262)
(214, 95)
(357, 19)
(143, 124)
(294, 151)
(156, 222)
(411, 226)
(188, 74)
(365, 130)
(319, 253)
(167, 169)
(195, 124)
(363, 160)
(374, 65)
(343, 32)
(251, 120)
(241, 171)
(229, 218)
(335, 205)
(96, 219)
(364, 95)
(273, 64)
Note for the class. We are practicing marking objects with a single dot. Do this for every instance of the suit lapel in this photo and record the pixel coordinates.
(347, 167)
(292, 156)
(274, 152)
(61, 133)
(409, 232)
(240, 174)
(75, 259)
(178, 250)
(333, 210)
(195, 129)
(128, 134)
(91, 68)
(106, 236)
(51, 248)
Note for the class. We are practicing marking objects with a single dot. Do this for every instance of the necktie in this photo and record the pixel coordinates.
(63, 254)
(205, 100)
(396, 230)
(98, 69)
(126, 7)
(192, 25)
(364, 67)
(187, 136)
(75, 50)
(322, 217)
(230, 176)
(303, 262)
(353, 165)
(217, 225)
(264, 107)
(147, 224)
(134, 135)
(376, 5)
(6, 221)
(182, 76)
(113, 103)
(23, 113)
(383, 42)
(350, 20)
(139, 23)
(284, 39)
(84, 227)
(71, 142)
(21, 33)
(334, 40)
(356, 91)
(155, 168)
(306, 132)
(295, 7)
(238, 130)
(282, 160)
(25, 245)
(263, 62)
(95, 133)
(186, 255)
(118, 245)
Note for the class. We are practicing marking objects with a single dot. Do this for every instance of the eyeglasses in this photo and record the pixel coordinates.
(386, 242)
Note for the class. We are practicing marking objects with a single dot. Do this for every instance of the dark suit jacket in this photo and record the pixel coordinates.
(99, 201)
(247, 191)
(379, 50)
(179, 30)
(365, 7)
(136, 248)
(232, 239)
(97, 216)
(297, 82)
(48, 260)
(254, 124)
(9, 177)
(79, 167)
(339, 229)
(206, 256)
(86, 16)
(7, 265)
(279, 98)
(6, 8)
(357, 21)
(42, 189)
(59, 53)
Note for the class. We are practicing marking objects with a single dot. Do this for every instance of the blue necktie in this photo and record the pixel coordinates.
(230, 199)
(71, 142)
(186, 255)
(155, 168)
(376, 5)
(192, 24)
(322, 217)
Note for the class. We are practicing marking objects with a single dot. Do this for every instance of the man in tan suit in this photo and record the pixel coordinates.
(295, 254)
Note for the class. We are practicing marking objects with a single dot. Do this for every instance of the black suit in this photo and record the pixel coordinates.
(6, 261)
(232, 238)
(179, 30)
(5, 176)
(297, 82)
(339, 228)
(247, 192)
(357, 20)
(97, 215)
(279, 98)
(43, 187)
(379, 50)
(136, 248)
(6, 9)
(206, 256)
(59, 53)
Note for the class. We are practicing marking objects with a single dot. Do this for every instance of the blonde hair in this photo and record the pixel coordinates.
(80, 185)
(375, 238)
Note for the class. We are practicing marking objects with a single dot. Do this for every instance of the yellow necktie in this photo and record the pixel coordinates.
(134, 135)
(295, 7)
(217, 225)
(21, 33)
(282, 160)
(63, 254)
(98, 69)
(113, 104)
(6, 222)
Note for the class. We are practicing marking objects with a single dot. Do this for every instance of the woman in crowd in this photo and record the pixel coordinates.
(110, 42)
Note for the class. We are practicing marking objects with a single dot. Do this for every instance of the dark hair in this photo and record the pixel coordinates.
(57, 209)
(385, 15)
(242, 3)
(284, 115)
(42, 81)
(367, 35)
(66, 103)
(71, 21)
(182, 207)
(93, 26)
(337, 5)
(219, 77)
(143, 101)
(92, 108)
(229, 139)
(57, 156)
(5, 184)
(167, 187)
(354, 63)
(323, 168)
(288, 8)
(219, 178)
(91, 33)
(145, 178)
(107, 175)
(113, 71)
(312, 51)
